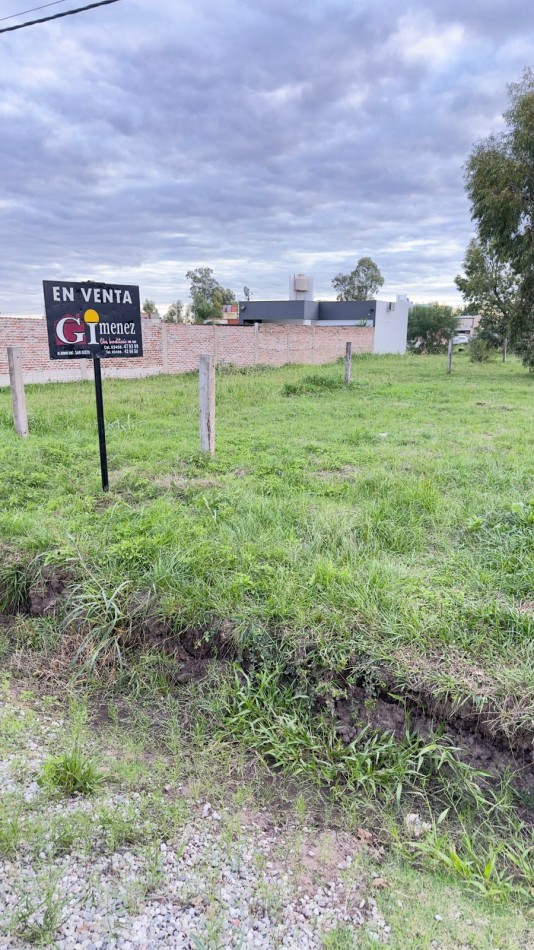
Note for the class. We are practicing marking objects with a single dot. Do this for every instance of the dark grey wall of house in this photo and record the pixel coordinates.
(347, 310)
(273, 311)
(295, 311)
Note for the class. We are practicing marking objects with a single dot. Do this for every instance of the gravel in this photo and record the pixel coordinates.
(221, 881)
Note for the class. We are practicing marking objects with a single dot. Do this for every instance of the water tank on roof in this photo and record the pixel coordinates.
(300, 287)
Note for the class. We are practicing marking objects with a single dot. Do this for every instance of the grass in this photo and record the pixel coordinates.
(379, 534)
(386, 525)
(282, 727)
(72, 773)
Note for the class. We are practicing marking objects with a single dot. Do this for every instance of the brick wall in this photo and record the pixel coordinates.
(175, 348)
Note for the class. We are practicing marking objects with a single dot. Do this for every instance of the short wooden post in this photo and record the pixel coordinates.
(348, 363)
(449, 356)
(16, 380)
(504, 348)
(206, 393)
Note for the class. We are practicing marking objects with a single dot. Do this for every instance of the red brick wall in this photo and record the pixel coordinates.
(175, 348)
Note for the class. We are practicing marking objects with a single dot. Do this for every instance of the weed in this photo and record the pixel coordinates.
(278, 721)
(14, 585)
(39, 913)
(491, 869)
(313, 384)
(72, 773)
(150, 674)
(10, 832)
(340, 938)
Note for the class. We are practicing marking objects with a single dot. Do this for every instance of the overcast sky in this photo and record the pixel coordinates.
(260, 138)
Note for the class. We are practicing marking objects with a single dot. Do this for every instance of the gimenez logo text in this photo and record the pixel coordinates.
(81, 329)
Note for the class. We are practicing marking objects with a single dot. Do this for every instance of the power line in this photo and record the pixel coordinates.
(57, 16)
(13, 16)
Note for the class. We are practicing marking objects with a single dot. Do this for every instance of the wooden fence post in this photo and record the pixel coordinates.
(348, 363)
(449, 356)
(504, 349)
(206, 393)
(18, 396)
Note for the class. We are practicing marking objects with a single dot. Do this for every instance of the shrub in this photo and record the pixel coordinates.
(524, 347)
(480, 350)
(430, 326)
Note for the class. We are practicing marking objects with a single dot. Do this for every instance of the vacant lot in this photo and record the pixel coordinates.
(390, 524)
(365, 555)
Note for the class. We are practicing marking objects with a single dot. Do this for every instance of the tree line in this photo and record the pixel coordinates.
(208, 296)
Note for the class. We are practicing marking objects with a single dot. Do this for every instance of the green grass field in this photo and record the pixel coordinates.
(389, 524)
(380, 535)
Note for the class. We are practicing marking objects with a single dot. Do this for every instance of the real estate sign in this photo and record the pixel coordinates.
(92, 320)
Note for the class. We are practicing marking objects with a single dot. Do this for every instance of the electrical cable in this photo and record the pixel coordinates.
(57, 16)
(13, 16)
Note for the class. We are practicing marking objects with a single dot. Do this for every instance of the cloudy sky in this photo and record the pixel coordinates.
(260, 138)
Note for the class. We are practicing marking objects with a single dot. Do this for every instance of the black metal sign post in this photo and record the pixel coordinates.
(101, 424)
(93, 321)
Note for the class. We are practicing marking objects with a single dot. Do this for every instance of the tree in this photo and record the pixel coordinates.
(491, 288)
(150, 307)
(500, 184)
(430, 326)
(175, 313)
(207, 294)
(361, 284)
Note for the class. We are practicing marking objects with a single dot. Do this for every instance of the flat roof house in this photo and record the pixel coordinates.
(389, 319)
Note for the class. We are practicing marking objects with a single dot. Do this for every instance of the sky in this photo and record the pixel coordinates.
(260, 138)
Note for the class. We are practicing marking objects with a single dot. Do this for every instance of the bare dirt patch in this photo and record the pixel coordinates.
(341, 474)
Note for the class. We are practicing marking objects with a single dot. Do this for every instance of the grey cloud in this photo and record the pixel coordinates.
(251, 133)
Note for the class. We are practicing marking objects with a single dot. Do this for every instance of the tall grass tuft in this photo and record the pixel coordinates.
(72, 773)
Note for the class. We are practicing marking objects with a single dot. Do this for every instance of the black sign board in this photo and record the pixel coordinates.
(92, 320)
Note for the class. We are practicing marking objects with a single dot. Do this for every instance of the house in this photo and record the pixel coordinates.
(468, 324)
(389, 319)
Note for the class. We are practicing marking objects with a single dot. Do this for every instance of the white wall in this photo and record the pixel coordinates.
(391, 327)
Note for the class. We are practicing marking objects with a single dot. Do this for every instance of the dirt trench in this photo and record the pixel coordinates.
(386, 713)
(392, 708)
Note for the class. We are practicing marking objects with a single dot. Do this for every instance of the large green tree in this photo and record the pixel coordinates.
(361, 284)
(430, 326)
(500, 185)
(207, 294)
(490, 287)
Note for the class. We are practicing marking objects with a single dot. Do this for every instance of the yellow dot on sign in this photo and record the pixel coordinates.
(91, 316)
